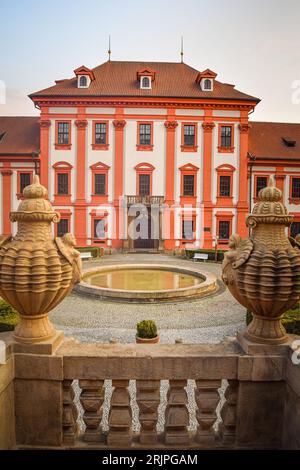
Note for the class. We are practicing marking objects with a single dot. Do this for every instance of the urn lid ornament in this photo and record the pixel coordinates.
(35, 205)
(269, 208)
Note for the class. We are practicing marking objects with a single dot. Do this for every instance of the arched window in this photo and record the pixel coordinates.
(83, 81)
(207, 84)
(146, 82)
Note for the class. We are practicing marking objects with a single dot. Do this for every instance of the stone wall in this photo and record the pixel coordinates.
(90, 395)
(7, 412)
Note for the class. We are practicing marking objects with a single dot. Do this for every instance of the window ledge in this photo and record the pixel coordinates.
(294, 200)
(63, 146)
(100, 146)
(189, 148)
(147, 148)
(225, 149)
(223, 241)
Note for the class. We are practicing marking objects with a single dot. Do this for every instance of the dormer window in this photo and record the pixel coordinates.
(146, 83)
(83, 81)
(145, 77)
(84, 76)
(207, 84)
(206, 80)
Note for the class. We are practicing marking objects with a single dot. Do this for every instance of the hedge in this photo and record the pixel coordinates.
(8, 316)
(290, 319)
(96, 251)
(211, 253)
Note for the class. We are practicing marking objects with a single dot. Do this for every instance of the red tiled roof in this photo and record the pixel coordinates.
(118, 78)
(266, 140)
(20, 135)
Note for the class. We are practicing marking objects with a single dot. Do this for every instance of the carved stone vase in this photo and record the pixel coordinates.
(263, 272)
(36, 271)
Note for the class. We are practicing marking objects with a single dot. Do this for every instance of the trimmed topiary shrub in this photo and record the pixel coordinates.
(146, 329)
(9, 317)
(290, 319)
(211, 254)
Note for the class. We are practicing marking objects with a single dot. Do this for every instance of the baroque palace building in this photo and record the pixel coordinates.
(153, 144)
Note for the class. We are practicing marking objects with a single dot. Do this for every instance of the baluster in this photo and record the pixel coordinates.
(228, 413)
(91, 399)
(120, 415)
(148, 399)
(207, 398)
(70, 413)
(177, 415)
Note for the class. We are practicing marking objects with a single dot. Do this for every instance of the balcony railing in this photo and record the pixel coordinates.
(146, 200)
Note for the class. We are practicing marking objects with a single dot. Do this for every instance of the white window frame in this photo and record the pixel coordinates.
(203, 84)
(88, 81)
(141, 83)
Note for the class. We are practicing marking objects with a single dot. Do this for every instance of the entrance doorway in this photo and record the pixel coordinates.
(144, 231)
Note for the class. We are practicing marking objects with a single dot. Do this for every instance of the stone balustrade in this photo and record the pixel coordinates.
(102, 396)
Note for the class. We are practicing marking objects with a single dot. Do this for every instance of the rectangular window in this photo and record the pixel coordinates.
(100, 184)
(100, 133)
(99, 228)
(24, 181)
(62, 227)
(144, 185)
(225, 182)
(62, 183)
(296, 188)
(295, 229)
(188, 185)
(189, 135)
(145, 134)
(188, 229)
(226, 136)
(261, 182)
(224, 229)
(63, 133)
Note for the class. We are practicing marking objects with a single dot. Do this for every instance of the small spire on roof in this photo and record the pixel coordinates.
(181, 50)
(109, 48)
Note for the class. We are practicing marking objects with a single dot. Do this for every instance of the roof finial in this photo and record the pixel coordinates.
(109, 49)
(181, 51)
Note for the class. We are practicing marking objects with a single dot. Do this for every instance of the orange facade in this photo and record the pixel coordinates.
(202, 181)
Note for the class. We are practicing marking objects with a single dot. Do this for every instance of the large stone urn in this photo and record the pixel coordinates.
(36, 271)
(263, 272)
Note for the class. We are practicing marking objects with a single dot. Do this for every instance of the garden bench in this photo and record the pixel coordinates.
(203, 256)
(87, 255)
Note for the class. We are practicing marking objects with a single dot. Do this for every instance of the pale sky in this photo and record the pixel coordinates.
(253, 44)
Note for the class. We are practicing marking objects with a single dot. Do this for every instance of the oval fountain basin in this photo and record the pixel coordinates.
(146, 283)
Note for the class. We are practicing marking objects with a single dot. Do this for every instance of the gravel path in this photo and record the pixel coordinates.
(204, 320)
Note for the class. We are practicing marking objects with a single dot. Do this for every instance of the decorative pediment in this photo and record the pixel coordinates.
(205, 74)
(83, 70)
(99, 166)
(146, 72)
(62, 166)
(144, 167)
(188, 167)
(225, 167)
